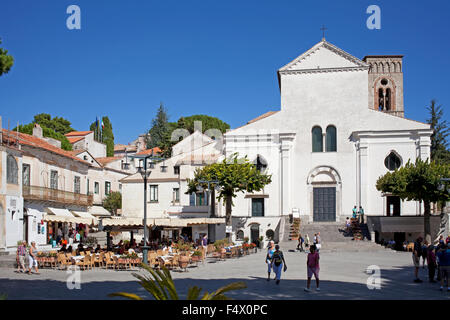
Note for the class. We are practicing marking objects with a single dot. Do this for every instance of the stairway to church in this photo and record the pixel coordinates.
(333, 237)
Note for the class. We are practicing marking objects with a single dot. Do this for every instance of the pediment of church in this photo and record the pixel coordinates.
(324, 56)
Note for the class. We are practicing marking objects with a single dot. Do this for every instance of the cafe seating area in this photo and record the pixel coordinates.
(178, 257)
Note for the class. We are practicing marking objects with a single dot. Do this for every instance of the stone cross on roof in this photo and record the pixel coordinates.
(323, 32)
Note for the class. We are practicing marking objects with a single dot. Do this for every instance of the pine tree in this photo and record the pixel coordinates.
(6, 61)
(439, 151)
(159, 132)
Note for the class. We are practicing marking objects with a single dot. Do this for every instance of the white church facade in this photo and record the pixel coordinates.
(340, 127)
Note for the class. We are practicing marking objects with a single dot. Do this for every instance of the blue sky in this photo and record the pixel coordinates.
(200, 56)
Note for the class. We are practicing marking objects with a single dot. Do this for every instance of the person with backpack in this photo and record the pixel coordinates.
(313, 267)
(270, 251)
(278, 263)
(300, 243)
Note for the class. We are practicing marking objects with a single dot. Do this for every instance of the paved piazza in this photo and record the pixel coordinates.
(343, 276)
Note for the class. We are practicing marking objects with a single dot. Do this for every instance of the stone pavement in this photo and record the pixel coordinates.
(343, 276)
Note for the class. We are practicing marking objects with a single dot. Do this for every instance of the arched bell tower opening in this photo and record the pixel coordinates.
(386, 84)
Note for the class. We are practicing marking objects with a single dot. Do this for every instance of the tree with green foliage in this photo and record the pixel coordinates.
(104, 134)
(207, 122)
(439, 151)
(159, 132)
(113, 202)
(234, 176)
(418, 182)
(161, 286)
(6, 61)
(57, 124)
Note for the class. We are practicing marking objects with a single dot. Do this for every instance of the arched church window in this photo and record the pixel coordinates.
(260, 163)
(317, 141)
(330, 141)
(392, 161)
(12, 173)
(388, 99)
(240, 235)
(380, 100)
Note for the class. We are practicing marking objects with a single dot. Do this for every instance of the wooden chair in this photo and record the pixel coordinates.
(153, 260)
(80, 264)
(166, 263)
(109, 261)
(99, 260)
(183, 262)
(62, 261)
(173, 263)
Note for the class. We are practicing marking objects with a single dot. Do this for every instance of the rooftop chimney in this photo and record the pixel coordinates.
(37, 131)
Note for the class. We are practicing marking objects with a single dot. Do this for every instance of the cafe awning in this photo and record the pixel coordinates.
(99, 211)
(85, 215)
(125, 222)
(60, 215)
(196, 221)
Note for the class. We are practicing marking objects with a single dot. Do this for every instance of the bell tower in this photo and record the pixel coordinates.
(386, 84)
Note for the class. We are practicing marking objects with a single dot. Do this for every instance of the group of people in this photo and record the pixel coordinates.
(22, 251)
(275, 262)
(437, 258)
(316, 241)
(358, 213)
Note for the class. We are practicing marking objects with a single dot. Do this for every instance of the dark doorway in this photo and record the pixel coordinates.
(254, 233)
(393, 206)
(324, 204)
(399, 238)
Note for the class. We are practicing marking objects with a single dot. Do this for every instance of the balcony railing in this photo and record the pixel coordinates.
(48, 194)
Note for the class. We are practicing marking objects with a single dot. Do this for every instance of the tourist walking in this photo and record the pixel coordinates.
(278, 263)
(417, 253)
(300, 243)
(431, 262)
(204, 245)
(270, 251)
(443, 256)
(318, 242)
(20, 257)
(32, 258)
(424, 253)
(313, 267)
(307, 241)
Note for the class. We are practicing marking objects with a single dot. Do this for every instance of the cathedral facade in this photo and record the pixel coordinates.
(340, 127)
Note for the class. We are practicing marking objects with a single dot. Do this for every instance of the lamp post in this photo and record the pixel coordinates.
(211, 207)
(142, 169)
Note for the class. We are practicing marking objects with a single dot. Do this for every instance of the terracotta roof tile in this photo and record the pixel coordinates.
(77, 133)
(72, 140)
(26, 139)
(265, 115)
(120, 147)
(155, 150)
(105, 160)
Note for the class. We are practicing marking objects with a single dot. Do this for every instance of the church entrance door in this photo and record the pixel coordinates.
(324, 204)
(254, 233)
